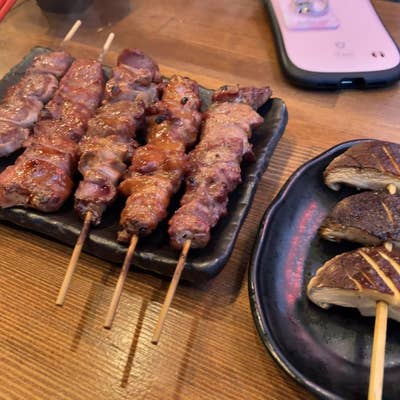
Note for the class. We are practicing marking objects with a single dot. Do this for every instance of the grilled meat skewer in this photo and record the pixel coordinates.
(157, 169)
(21, 106)
(41, 178)
(367, 165)
(214, 164)
(369, 218)
(109, 141)
(213, 172)
(136, 77)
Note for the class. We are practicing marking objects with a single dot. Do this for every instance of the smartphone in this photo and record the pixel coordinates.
(347, 46)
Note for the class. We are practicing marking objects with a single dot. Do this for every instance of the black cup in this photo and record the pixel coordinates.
(64, 6)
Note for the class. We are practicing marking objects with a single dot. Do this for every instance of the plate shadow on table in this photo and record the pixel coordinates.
(92, 304)
(153, 297)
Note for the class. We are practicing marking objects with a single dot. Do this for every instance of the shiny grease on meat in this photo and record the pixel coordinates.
(23, 102)
(110, 139)
(41, 177)
(214, 164)
(157, 169)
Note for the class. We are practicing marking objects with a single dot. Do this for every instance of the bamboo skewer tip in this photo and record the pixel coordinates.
(378, 352)
(106, 46)
(71, 33)
(120, 283)
(171, 292)
(88, 217)
(74, 259)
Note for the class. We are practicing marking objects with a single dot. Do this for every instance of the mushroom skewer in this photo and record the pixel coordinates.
(214, 172)
(369, 165)
(368, 279)
(377, 370)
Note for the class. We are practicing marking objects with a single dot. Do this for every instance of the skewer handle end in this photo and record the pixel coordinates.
(378, 352)
(70, 34)
(74, 260)
(171, 292)
(120, 284)
(106, 46)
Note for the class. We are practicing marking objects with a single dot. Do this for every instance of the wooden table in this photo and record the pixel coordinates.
(210, 348)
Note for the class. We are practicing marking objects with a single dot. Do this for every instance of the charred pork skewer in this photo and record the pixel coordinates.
(214, 165)
(109, 142)
(157, 169)
(23, 102)
(41, 178)
(213, 172)
(21, 106)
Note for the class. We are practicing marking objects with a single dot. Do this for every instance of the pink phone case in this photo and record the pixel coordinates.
(347, 47)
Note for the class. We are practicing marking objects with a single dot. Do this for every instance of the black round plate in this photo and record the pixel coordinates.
(328, 351)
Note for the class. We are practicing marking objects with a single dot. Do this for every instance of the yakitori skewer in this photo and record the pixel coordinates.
(85, 229)
(157, 169)
(23, 103)
(215, 172)
(377, 368)
(110, 140)
(42, 176)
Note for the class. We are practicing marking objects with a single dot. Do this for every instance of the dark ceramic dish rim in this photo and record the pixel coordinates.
(264, 329)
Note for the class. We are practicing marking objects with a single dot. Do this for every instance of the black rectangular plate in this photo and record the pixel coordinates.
(328, 351)
(153, 252)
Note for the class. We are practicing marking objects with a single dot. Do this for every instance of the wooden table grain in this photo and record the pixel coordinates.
(210, 348)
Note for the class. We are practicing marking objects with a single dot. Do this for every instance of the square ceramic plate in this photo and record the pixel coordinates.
(153, 252)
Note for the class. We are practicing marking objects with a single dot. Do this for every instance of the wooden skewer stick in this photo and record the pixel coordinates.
(120, 284)
(378, 352)
(88, 217)
(171, 292)
(379, 342)
(71, 32)
(74, 260)
(106, 46)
